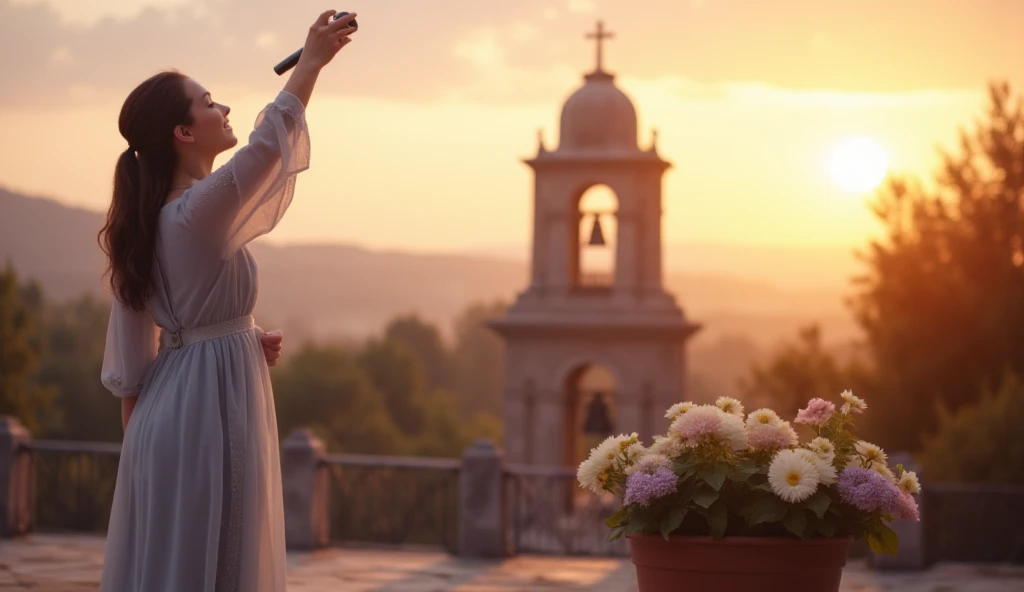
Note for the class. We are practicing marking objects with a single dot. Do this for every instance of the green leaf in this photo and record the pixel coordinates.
(715, 478)
(638, 522)
(672, 522)
(685, 468)
(617, 518)
(764, 509)
(616, 533)
(742, 472)
(883, 540)
(764, 487)
(826, 528)
(811, 527)
(718, 518)
(795, 521)
(705, 497)
(818, 503)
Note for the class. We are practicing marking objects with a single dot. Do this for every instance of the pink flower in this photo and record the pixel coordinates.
(698, 423)
(771, 437)
(817, 412)
(905, 508)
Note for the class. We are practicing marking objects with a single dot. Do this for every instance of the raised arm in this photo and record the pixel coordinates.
(247, 196)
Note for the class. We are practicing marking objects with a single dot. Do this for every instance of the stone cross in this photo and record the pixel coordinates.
(600, 35)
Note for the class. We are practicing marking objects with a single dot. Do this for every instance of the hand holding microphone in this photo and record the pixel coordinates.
(325, 39)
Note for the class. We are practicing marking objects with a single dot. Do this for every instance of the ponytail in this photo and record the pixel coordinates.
(142, 180)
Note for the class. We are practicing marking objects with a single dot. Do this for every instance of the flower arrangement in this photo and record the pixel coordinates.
(719, 472)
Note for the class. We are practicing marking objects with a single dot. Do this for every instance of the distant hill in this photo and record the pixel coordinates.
(331, 290)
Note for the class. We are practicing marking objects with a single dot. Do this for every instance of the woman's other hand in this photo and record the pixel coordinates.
(271, 342)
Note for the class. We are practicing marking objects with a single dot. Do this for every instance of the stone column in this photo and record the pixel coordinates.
(16, 474)
(911, 554)
(481, 502)
(306, 487)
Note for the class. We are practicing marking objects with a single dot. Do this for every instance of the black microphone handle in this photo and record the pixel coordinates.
(288, 63)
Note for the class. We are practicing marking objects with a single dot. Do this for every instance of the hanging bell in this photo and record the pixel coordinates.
(597, 422)
(596, 235)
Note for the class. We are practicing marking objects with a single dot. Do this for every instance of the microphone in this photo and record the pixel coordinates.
(289, 62)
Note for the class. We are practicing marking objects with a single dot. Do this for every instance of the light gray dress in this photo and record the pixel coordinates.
(198, 506)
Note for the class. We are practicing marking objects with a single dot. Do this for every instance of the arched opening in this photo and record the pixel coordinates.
(596, 239)
(590, 411)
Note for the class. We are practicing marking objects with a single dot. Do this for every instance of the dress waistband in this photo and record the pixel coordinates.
(183, 337)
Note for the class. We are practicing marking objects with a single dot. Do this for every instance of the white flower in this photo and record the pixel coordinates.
(730, 406)
(870, 452)
(827, 474)
(852, 403)
(607, 458)
(909, 483)
(824, 448)
(670, 446)
(763, 416)
(792, 477)
(678, 409)
(732, 433)
(883, 470)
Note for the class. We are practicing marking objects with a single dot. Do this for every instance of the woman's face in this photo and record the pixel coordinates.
(209, 130)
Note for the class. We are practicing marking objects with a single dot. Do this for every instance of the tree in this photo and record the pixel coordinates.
(325, 389)
(479, 361)
(941, 300)
(981, 442)
(21, 347)
(423, 339)
(795, 374)
(75, 336)
(397, 373)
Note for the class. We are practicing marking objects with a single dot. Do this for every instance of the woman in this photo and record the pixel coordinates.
(197, 506)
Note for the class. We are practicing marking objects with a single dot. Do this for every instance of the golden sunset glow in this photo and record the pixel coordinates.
(858, 165)
(417, 137)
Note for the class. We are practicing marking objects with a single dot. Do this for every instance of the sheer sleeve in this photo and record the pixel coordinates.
(247, 196)
(132, 343)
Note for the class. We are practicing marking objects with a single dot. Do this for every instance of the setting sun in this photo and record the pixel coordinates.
(858, 165)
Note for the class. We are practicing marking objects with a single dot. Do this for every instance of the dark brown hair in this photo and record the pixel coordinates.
(142, 180)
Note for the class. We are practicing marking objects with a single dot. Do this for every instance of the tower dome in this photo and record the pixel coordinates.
(598, 116)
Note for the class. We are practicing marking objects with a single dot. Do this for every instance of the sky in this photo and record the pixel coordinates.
(419, 127)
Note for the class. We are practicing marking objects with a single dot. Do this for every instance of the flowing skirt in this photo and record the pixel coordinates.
(198, 504)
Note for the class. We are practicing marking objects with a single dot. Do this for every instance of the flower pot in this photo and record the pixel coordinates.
(699, 564)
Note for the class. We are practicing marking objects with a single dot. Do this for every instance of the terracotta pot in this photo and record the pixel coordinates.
(699, 564)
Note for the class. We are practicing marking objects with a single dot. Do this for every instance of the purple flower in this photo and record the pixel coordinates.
(868, 490)
(643, 488)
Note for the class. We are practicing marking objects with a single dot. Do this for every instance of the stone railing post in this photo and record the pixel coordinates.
(481, 501)
(911, 554)
(306, 488)
(16, 473)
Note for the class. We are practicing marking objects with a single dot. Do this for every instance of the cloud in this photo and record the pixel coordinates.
(581, 6)
(409, 51)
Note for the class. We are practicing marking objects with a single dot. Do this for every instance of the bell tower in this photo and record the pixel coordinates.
(594, 342)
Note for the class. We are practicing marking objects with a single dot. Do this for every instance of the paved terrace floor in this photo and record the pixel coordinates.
(71, 563)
